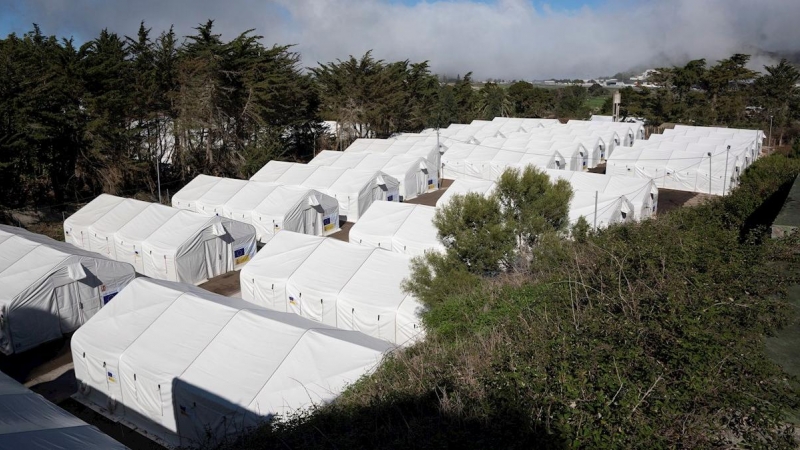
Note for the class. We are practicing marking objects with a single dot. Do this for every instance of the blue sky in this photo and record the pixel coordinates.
(506, 39)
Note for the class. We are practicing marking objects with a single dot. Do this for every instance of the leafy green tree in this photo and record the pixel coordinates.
(494, 102)
(570, 102)
(532, 205)
(530, 101)
(595, 90)
(776, 90)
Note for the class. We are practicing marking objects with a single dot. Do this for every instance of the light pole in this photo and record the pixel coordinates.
(158, 174)
(770, 131)
(725, 180)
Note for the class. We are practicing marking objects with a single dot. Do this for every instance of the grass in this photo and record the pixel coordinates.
(645, 335)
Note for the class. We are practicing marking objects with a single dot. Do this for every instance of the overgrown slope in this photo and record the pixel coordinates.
(642, 336)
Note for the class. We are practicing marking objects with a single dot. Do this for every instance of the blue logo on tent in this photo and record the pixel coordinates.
(107, 298)
(391, 197)
(326, 221)
(238, 252)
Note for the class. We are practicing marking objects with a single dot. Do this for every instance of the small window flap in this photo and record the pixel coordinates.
(313, 200)
(75, 272)
(380, 180)
(423, 167)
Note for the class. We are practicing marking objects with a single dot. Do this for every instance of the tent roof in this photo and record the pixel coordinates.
(194, 190)
(219, 194)
(402, 227)
(463, 187)
(181, 227)
(27, 420)
(145, 223)
(227, 348)
(93, 211)
(252, 194)
(25, 258)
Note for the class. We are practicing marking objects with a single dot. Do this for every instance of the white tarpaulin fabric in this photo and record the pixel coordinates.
(162, 242)
(463, 187)
(398, 227)
(610, 209)
(28, 421)
(191, 368)
(339, 284)
(420, 148)
(641, 192)
(679, 166)
(415, 174)
(185, 198)
(50, 288)
(354, 189)
(271, 207)
(479, 162)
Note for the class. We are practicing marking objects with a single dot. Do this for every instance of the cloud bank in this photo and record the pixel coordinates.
(508, 39)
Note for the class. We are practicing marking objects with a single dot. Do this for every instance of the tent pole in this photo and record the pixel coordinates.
(725, 180)
(709, 173)
(595, 209)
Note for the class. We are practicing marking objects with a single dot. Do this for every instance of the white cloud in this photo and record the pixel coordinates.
(506, 39)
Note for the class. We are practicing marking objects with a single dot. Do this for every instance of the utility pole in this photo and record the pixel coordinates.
(725, 180)
(709, 173)
(596, 194)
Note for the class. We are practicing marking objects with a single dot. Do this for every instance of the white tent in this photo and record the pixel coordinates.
(212, 202)
(463, 187)
(272, 207)
(50, 288)
(471, 161)
(163, 242)
(397, 227)
(28, 421)
(600, 210)
(414, 173)
(421, 148)
(674, 168)
(641, 192)
(611, 208)
(354, 189)
(340, 284)
(628, 132)
(185, 198)
(189, 368)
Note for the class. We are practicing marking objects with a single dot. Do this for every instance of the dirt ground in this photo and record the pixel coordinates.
(428, 199)
(344, 232)
(669, 199)
(225, 284)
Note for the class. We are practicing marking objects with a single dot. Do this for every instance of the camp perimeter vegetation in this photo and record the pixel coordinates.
(539, 331)
(644, 335)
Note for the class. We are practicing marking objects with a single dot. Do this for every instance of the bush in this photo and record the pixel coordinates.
(645, 335)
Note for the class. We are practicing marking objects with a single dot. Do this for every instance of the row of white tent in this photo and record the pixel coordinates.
(189, 368)
(29, 421)
(416, 175)
(354, 189)
(693, 159)
(602, 200)
(348, 286)
(159, 241)
(50, 288)
(269, 207)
